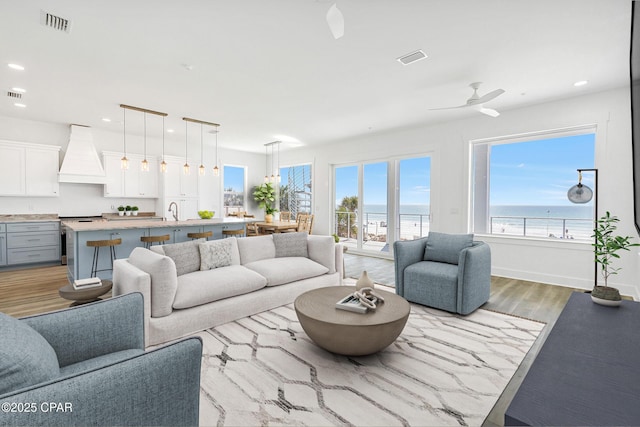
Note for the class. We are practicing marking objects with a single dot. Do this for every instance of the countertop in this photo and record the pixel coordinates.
(147, 223)
(29, 217)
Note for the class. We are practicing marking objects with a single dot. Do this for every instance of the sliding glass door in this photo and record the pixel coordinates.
(414, 198)
(380, 202)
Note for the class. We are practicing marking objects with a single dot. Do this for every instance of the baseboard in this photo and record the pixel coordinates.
(572, 282)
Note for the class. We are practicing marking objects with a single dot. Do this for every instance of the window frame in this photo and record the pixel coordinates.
(481, 187)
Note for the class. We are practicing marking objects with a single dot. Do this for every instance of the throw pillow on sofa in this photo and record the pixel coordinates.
(443, 247)
(291, 244)
(219, 253)
(26, 358)
(185, 255)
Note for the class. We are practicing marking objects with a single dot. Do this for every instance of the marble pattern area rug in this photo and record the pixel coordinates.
(443, 370)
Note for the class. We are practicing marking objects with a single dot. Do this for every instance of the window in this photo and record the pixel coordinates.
(233, 189)
(295, 190)
(379, 202)
(519, 184)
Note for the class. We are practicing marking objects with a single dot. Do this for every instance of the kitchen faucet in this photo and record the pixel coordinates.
(175, 214)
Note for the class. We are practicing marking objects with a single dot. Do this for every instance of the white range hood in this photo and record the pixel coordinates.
(81, 163)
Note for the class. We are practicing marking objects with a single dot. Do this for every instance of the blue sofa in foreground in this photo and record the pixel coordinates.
(450, 272)
(86, 365)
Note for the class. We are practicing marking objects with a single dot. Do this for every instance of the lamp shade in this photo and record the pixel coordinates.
(580, 193)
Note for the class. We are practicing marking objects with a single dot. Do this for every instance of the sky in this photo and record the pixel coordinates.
(540, 172)
(415, 182)
(234, 178)
(527, 173)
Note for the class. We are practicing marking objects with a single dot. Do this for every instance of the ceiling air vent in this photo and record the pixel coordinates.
(14, 95)
(412, 57)
(56, 22)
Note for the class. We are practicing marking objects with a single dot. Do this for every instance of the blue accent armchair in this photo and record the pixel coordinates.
(87, 366)
(449, 272)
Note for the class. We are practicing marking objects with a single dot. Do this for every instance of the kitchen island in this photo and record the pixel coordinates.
(79, 255)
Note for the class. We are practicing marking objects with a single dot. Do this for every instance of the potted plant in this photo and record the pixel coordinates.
(606, 249)
(127, 210)
(134, 210)
(121, 210)
(265, 195)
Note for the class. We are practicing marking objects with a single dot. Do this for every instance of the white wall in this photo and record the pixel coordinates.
(557, 262)
(87, 199)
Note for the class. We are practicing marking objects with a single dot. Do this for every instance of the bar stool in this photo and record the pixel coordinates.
(204, 235)
(150, 240)
(96, 245)
(228, 233)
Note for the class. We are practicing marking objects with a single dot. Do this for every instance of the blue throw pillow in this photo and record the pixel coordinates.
(442, 247)
(26, 358)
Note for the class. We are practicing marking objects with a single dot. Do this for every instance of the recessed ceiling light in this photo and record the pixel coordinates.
(18, 89)
(580, 83)
(106, 119)
(170, 130)
(19, 105)
(16, 67)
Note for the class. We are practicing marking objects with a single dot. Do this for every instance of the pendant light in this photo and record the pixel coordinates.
(201, 168)
(124, 162)
(273, 178)
(580, 193)
(216, 170)
(144, 166)
(266, 160)
(186, 168)
(278, 175)
(163, 164)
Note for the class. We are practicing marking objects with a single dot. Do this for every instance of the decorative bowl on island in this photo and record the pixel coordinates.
(206, 214)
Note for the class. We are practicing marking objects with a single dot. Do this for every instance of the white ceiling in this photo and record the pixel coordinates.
(263, 68)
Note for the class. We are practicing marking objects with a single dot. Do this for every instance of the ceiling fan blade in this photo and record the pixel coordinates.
(489, 96)
(449, 108)
(335, 20)
(488, 111)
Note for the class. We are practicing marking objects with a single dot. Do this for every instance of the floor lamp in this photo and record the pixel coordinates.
(580, 194)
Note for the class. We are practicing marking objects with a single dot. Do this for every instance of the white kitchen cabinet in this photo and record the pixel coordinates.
(29, 169)
(42, 172)
(131, 182)
(176, 183)
(114, 186)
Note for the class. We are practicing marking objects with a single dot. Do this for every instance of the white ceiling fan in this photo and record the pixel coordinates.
(477, 102)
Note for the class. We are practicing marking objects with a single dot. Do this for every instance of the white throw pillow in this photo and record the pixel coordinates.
(218, 253)
(291, 244)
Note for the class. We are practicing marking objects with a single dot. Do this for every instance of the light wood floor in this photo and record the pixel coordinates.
(33, 291)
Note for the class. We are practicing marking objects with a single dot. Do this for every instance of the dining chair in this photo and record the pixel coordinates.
(305, 223)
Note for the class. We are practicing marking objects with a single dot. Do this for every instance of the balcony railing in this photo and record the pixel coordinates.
(555, 228)
(374, 227)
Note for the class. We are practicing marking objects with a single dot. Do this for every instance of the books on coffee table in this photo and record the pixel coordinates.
(91, 282)
(351, 303)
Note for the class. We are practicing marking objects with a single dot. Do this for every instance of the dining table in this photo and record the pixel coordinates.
(278, 226)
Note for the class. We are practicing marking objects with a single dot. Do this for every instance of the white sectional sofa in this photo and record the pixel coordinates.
(192, 286)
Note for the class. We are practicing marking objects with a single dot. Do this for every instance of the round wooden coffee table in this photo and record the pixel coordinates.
(346, 332)
(83, 296)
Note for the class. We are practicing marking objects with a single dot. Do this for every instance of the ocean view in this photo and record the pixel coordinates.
(561, 222)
